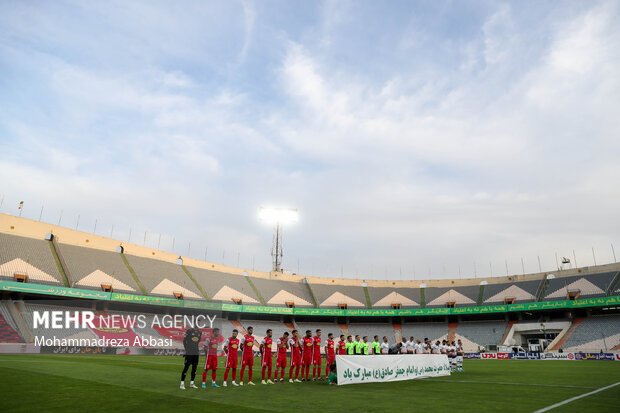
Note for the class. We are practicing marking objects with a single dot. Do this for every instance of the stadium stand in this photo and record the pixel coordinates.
(30, 257)
(278, 293)
(461, 296)
(332, 295)
(433, 331)
(590, 285)
(524, 291)
(4, 311)
(594, 334)
(8, 333)
(482, 333)
(162, 278)
(224, 287)
(382, 297)
(70, 332)
(90, 268)
(370, 330)
(325, 327)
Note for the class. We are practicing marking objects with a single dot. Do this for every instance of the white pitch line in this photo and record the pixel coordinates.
(509, 383)
(572, 399)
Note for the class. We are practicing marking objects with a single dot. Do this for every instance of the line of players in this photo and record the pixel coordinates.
(454, 350)
(305, 353)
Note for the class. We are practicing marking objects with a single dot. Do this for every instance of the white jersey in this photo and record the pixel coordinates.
(443, 348)
(385, 348)
(434, 348)
(403, 348)
(451, 351)
(418, 348)
(410, 345)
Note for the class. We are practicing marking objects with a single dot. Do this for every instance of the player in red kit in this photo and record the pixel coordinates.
(295, 345)
(342, 345)
(282, 346)
(211, 358)
(306, 355)
(316, 356)
(231, 348)
(266, 356)
(330, 353)
(247, 355)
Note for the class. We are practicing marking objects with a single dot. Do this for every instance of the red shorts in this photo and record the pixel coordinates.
(232, 361)
(295, 360)
(317, 360)
(306, 359)
(330, 360)
(211, 363)
(247, 360)
(266, 361)
(281, 361)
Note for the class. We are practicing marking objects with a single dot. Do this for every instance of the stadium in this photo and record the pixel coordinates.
(319, 205)
(511, 323)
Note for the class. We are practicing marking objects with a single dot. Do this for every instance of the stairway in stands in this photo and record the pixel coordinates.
(508, 328)
(345, 329)
(452, 331)
(542, 288)
(568, 333)
(398, 332)
(290, 326)
(7, 334)
(239, 327)
(611, 289)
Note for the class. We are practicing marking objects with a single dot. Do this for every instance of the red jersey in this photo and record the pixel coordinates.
(331, 350)
(342, 347)
(211, 346)
(247, 342)
(307, 345)
(232, 345)
(282, 347)
(295, 346)
(267, 343)
(316, 349)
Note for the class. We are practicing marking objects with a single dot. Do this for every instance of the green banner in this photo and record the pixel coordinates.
(143, 299)
(53, 290)
(12, 286)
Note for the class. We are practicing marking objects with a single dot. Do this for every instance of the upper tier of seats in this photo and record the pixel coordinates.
(278, 292)
(220, 286)
(92, 268)
(30, 257)
(591, 285)
(89, 268)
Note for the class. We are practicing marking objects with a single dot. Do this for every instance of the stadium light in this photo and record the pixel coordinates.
(277, 217)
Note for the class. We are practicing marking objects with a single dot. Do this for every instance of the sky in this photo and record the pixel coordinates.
(417, 139)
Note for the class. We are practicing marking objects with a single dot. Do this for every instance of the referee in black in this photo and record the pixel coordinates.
(190, 342)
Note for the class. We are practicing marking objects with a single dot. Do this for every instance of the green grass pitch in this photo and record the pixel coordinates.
(73, 383)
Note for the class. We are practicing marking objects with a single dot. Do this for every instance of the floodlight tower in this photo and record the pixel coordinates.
(277, 217)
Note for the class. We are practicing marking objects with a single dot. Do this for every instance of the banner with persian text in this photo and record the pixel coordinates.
(384, 368)
(65, 292)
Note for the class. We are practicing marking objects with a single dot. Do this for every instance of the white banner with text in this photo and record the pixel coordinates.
(393, 367)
